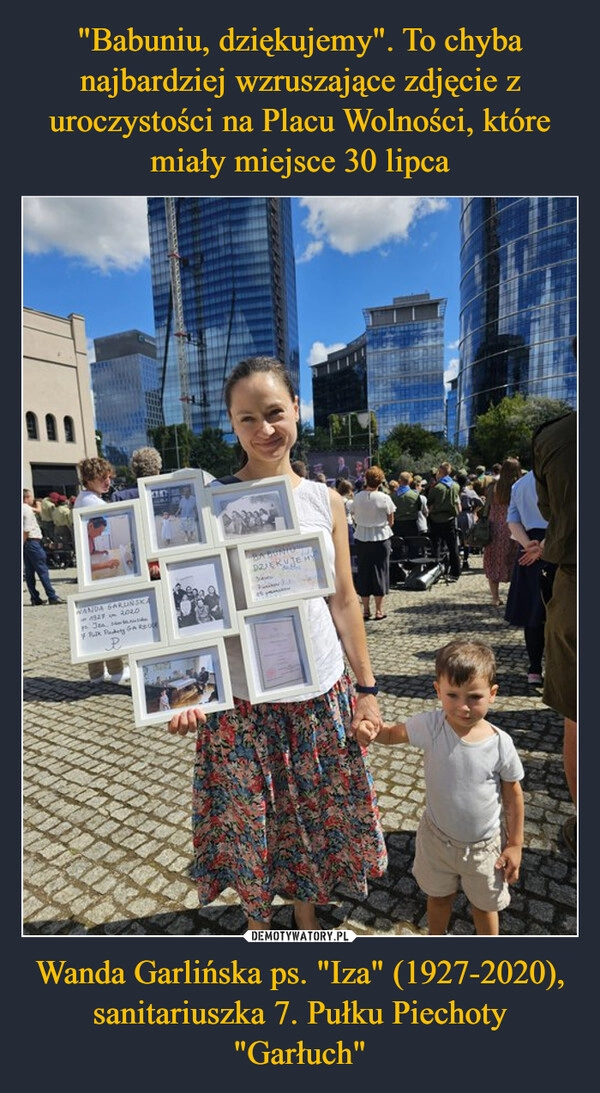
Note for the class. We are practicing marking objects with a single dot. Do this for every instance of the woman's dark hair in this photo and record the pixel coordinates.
(250, 367)
(510, 472)
(98, 522)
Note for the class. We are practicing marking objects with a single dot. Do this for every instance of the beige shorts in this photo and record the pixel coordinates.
(442, 866)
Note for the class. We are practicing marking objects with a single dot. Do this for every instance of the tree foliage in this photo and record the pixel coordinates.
(507, 428)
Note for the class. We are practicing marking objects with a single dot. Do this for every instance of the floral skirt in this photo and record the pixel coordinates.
(283, 803)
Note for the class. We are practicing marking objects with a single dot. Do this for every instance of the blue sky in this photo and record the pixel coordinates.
(90, 256)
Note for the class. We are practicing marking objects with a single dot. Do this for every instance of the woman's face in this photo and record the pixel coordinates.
(100, 485)
(264, 417)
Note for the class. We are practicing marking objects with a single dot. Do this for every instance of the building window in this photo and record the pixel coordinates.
(69, 430)
(50, 426)
(32, 425)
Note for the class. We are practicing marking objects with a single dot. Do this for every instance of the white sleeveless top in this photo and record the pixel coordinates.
(313, 507)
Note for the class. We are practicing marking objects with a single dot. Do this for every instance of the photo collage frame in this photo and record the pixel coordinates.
(208, 540)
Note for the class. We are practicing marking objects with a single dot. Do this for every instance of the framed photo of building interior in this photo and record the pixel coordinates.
(106, 623)
(109, 544)
(285, 567)
(258, 509)
(277, 652)
(198, 594)
(175, 511)
(176, 679)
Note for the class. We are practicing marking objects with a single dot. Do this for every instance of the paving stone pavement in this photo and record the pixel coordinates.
(106, 829)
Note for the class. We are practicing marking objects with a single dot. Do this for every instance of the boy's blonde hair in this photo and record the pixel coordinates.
(459, 661)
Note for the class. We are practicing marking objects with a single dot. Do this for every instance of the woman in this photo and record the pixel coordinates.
(532, 579)
(373, 513)
(500, 553)
(96, 475)
(283, 801)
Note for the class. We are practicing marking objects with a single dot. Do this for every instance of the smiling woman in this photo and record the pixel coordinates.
(283, 801)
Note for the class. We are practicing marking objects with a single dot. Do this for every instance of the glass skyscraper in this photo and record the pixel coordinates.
(518, 302)
(126, 386)
(405, 363)
(394, 369)
(238, 292)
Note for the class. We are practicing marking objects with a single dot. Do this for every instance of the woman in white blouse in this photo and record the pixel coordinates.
(373, 513)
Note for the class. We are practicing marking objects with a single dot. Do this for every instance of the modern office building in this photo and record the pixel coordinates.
(236, 283)
(395, 369)
(57, 402)
(518, 302)
(127, 392)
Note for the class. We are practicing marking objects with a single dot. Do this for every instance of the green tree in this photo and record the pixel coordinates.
(174, 442)
(212, 453)
(508, 427)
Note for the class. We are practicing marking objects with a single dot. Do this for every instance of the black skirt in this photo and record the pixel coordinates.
(373, 567)
(529, 590)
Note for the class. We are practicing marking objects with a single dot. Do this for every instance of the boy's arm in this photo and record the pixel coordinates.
(514, 819)
(366, 732)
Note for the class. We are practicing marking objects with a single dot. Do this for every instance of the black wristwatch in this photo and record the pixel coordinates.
(358, 687)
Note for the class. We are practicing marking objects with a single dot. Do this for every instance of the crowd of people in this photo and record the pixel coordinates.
(283, 800)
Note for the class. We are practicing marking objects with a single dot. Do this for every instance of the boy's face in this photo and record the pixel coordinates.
(466, 704)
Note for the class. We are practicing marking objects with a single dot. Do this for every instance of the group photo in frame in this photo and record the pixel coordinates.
(277, 652)
(244, 509)
(180, 679)
(285, 567)
(118, 622)
(109, 544)
(175, 511)
(198, 594)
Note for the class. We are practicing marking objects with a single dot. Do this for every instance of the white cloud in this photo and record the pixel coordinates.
(451, 371)
(319, 352)
(355, 224)
(103, 233)
(307, 413)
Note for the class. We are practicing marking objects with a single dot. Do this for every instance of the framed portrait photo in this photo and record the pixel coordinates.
(285, 568)
(163, 683)
(104, 624)
(109, 544)
(252, 509)
(198, 594)
(175, 511)
(277, 651)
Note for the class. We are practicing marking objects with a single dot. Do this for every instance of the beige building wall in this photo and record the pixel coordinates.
(57, 381)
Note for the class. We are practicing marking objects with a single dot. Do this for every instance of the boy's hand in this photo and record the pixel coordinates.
(510, 862)
(365, 732)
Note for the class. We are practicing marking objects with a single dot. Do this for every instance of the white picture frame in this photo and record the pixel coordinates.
(178, 673)
(175, 511)
(198, 594)
(253, 509)
(285, 568)
(109, 544)
(277, 653)
(116, 622)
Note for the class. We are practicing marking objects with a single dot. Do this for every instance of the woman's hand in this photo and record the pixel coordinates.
(367, 709)
(186, 721)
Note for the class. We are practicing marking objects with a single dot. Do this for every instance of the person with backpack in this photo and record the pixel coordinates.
(443, 502)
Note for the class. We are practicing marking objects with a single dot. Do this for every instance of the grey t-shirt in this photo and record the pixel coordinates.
(463, 781)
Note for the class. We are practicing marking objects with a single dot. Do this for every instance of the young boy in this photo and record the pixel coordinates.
(472, 777)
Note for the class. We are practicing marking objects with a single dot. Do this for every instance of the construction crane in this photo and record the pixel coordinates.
(180, 334)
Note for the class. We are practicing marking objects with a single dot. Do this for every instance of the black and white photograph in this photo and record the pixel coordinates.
(199, 594)
(196, 676)
(175, 511)
(247, 509)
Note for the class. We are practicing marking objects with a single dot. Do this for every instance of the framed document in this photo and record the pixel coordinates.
(125, 620)
(277, 651)
(165, 682)
(175, 511)
(198, 594)
(256, 508)
(285, 568)
(109, 543)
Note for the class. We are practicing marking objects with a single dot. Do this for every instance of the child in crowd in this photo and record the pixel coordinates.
(472, 778)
